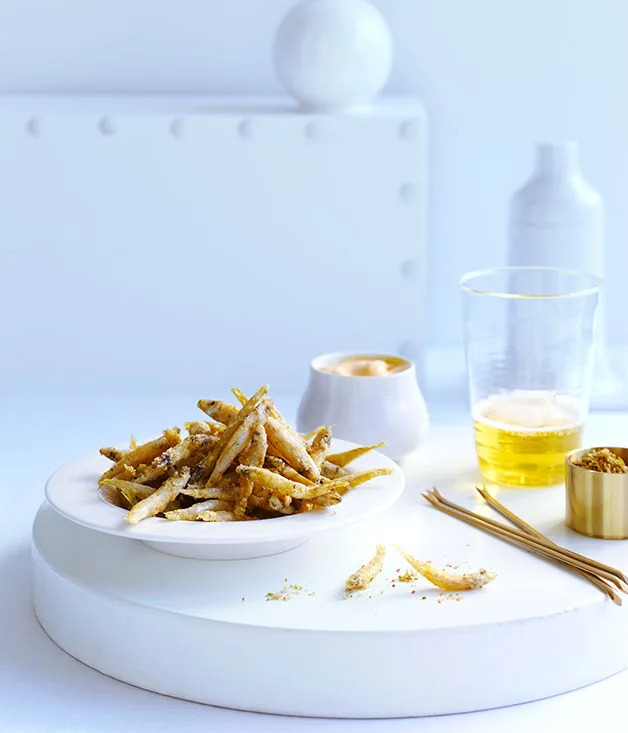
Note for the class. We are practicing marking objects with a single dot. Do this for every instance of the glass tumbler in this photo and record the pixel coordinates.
(529, 344)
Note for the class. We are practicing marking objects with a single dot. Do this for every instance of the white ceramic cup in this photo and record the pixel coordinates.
(367, 409)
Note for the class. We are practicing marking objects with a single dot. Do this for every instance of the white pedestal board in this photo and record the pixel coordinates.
(180, 626)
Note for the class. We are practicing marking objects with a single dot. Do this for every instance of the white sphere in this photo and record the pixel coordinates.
(333, 54)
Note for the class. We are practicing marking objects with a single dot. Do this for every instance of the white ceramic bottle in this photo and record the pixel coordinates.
(557, 220)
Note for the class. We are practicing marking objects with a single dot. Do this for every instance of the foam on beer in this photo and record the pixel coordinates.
(529, 411)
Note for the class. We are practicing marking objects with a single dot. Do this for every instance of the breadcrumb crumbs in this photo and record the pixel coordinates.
(408, 577)
(444, 596)
(286, 593)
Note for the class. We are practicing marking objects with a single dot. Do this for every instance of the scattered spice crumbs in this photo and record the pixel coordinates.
(449, 597)
(354, 594)
(408, 577)
(286, 593)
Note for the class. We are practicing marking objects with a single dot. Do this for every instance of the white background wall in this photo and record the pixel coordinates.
(494, 76)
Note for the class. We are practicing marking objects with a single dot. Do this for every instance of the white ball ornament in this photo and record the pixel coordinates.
(333, 55)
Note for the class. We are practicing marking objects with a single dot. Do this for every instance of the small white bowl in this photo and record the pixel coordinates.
(366, 410)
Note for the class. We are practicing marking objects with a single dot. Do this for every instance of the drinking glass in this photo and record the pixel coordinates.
(529, 344)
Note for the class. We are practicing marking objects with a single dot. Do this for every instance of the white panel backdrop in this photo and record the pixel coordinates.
(173, 243)
(494, 76)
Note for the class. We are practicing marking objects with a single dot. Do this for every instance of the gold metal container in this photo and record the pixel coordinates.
(597, 502)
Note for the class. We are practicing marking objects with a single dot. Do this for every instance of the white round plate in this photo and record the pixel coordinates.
(73, 492)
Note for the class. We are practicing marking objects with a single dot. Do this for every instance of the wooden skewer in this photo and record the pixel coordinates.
(505, 512)
(586, 563)
(517, 538)
(524, 542)
(555, 551)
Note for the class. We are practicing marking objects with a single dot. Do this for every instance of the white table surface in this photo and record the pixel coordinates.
(43, 689)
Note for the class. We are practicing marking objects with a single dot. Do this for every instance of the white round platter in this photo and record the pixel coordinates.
(73, 492)
(180, 626)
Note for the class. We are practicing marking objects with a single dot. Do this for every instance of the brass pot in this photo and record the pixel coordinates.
(597, 502)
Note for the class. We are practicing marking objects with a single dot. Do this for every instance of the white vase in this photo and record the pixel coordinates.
(333, 55)
(556, 217)
(557, 220)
